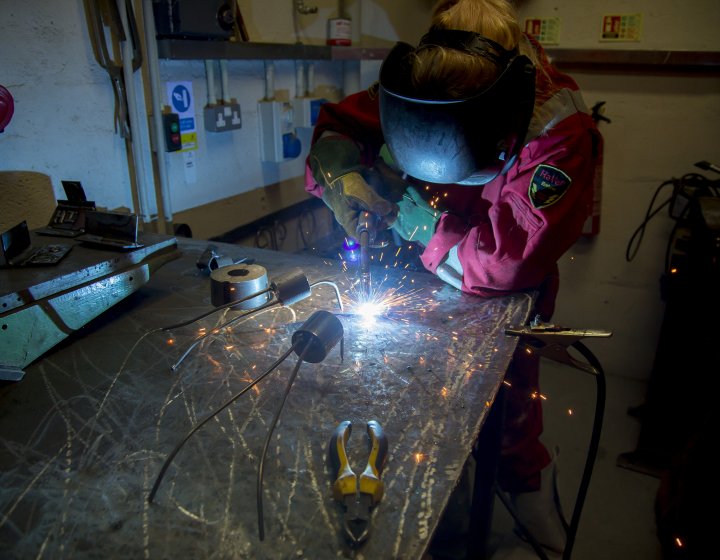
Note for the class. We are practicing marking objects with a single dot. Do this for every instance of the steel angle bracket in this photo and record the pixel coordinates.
(30, 330)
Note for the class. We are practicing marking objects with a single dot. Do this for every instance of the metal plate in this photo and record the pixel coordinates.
(86, 433)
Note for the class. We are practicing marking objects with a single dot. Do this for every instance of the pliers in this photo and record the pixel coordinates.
(359, 494)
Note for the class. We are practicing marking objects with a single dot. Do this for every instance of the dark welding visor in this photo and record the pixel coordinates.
(467, 141)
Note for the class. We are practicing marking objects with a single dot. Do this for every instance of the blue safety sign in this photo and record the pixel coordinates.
(181, 98)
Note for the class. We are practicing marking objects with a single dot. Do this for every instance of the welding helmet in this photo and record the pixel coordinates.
(467, 141)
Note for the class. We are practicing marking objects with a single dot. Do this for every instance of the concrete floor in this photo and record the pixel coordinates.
(617, 518)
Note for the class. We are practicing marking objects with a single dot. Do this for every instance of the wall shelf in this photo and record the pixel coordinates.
(602, 60)
(189, 49)
(612, 60)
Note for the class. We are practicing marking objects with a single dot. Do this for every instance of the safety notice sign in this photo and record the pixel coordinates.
(545, 29)
(180, 98)
(621, 27)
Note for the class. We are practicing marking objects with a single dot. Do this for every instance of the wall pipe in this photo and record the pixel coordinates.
(143, 211)
(310, 86)
(269, 81)
(210, 78)
(162, 194)
(225, 93)
(300, 89)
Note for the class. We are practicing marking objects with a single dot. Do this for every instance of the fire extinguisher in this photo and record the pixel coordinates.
(592, 225)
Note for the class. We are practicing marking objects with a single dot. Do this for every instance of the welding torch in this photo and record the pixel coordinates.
(364, 232)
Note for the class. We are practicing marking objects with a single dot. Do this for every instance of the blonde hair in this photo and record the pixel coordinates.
(458, 74)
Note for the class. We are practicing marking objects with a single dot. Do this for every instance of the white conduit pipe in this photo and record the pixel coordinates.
(156, 94)
(269, 81)
(139, 168)
(210, 79)
(300, 90)
(311, 78)
(225, 93)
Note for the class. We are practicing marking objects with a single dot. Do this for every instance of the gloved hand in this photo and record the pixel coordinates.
(349, 196)
(335, 164)
(385, 181)
(417, 219)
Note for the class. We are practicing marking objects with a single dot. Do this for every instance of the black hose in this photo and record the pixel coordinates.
(592, 447)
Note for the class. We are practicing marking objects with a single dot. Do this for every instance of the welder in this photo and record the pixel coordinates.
(475, 147)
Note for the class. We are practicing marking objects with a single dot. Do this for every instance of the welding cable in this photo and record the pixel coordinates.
(216, 330)
(631, 251)
(261, 467)
(692, 180)
(593, 446)
(235, 397)
(526, 534)
(572, 527)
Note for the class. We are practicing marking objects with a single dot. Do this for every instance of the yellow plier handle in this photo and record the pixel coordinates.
(346, 480)
(370, 482)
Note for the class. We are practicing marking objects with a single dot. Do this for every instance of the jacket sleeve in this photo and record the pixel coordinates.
(356, 117)
(514, 237)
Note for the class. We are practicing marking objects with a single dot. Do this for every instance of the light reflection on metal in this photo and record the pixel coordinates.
(206, 482)
(311, 342)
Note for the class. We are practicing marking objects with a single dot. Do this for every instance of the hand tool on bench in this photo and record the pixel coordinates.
(359, 494)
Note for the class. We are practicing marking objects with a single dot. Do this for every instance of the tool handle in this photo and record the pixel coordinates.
(370, 482)
(346, 480)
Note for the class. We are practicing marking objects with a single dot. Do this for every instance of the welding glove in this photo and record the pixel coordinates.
(385, 178)
(417, 219)
(335, 164)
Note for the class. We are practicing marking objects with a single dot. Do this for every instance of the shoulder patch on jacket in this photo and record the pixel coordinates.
(547, 186)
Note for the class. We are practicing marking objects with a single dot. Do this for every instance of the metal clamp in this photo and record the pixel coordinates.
(552, 341)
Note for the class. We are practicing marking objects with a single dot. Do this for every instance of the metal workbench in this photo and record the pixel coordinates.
(84, 434)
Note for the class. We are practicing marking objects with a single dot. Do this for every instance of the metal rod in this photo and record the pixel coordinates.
(217, 329)
(365, 281)
(179, 446)
(261, 467)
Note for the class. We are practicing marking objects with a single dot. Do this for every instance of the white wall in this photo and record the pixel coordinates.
(661, 125)
(63, 122)
(667, 24)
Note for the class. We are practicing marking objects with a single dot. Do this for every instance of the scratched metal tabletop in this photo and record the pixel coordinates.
(84, 435)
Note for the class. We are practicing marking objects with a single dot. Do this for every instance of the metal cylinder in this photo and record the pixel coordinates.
(317, 336)
(235, 282)
(291, 287)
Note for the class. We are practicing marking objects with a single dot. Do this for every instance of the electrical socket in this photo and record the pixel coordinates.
(220, 118)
